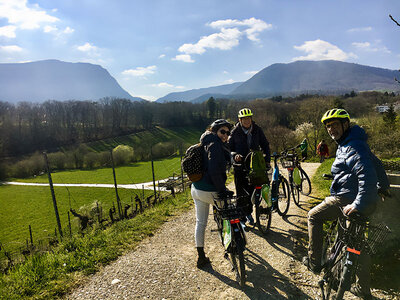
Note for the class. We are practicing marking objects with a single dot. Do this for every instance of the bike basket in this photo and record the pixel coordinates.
(229, 209)
(377, 234)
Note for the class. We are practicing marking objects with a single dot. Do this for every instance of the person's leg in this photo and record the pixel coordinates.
(362, 288)
(202, 211)
(326, 210)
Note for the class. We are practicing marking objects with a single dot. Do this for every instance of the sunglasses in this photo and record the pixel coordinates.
(228, 133)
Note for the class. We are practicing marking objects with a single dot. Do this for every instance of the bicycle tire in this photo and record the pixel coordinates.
(305, 188)
(239, 266)
(263, 217)
(283, 197)
(345, 282)
(295, 194)
(333, 275)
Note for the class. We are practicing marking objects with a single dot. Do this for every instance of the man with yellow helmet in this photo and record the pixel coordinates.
(246, 136)
(357, 176)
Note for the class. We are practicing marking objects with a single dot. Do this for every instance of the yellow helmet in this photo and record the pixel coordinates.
(336, 113)
(245, 112)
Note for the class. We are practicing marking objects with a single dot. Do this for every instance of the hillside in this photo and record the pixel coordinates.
(56, 80)
(300, 77)
(323, 77)
(197, 95)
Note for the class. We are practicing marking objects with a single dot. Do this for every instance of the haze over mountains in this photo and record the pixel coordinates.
(56, 80)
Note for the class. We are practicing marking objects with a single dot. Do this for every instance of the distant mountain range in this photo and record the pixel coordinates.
(56, 80)
(300, 77)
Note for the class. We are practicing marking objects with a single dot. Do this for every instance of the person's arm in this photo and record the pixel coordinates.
(265, 147)
(216, 166)
(362, 166)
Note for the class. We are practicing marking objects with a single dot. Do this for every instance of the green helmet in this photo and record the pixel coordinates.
(245, 112)
(336, 113)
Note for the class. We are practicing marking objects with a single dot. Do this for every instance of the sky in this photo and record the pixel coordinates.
(155, 47)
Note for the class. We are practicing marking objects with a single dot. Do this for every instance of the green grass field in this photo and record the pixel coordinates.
(130, 174)
(22, 206)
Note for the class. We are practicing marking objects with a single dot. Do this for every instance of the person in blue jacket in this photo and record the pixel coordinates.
(217, 159)
(358, 175)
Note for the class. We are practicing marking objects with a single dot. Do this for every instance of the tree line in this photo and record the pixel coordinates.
(28, 127)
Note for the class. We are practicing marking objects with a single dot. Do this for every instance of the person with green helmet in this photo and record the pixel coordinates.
(358, 175)
(245, 137)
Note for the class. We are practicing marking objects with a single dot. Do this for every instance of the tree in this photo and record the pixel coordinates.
(211, 107)
(390, 117)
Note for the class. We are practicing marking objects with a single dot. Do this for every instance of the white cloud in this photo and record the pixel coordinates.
(10, 49)
(360, 29)
(49, 28)
(87, 47)
(184, 57)
(367, 46)
(167, 85)
(162, 56)
(225, 72)
(8, 31)
(251, 73)
(68, 30)
(228, 81)
(228, 37)
(18, 13)
(322, 50)
(140, 71)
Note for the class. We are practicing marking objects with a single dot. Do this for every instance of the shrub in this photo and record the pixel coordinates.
(162, 150)
(92, 159)
(122, 154)
(57, 160)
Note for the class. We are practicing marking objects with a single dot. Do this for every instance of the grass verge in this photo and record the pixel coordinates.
(52, 274)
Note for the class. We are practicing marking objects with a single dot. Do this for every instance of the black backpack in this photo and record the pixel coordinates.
(192, 162)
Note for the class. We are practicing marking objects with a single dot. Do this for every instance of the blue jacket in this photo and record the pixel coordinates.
(358, 173)
(238, 141)
(216, 158)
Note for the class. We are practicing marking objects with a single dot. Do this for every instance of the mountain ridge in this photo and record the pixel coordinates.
(52, 79)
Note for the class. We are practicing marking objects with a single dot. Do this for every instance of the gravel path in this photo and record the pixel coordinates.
(163, 266)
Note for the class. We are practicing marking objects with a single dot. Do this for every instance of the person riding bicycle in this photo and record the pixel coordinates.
(358, 175)
(212, 185)
(246, 136)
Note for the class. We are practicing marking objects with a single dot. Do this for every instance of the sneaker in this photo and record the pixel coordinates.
(356, 291)
(202, 262)
(313, 268)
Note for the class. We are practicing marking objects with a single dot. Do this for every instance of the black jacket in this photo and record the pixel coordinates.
(238, 141)
(216, 160)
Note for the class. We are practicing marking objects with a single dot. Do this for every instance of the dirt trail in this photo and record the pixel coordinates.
(163, 266)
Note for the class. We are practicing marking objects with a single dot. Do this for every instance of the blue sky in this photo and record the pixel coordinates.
(154, 47)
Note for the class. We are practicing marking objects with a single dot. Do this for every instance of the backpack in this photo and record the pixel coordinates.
(258, 169)
(192, 162)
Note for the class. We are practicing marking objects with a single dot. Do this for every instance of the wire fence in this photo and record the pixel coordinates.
(96, 215)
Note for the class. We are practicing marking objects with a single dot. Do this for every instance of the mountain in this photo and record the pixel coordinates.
(56, 80)
(197, 95)
(322, 77)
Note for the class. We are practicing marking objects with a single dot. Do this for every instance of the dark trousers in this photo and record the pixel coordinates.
(244, 190)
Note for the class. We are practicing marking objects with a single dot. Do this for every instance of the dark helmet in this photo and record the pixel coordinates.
(217, 124)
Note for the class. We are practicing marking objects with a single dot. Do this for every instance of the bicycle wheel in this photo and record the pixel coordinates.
(345, 282)
(333, 275)
(263, 217)
(239, 267)
(283, 197)
(295, 193)
(305, 188)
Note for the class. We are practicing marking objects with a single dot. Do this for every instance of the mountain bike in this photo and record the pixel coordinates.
(347, 238)
(298, 179)
(280, 193)
(260, 198)
(227, 216)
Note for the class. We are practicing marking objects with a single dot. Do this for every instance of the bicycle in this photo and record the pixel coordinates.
(227, 216)
(298, 179)
(346, 239)
(280, 194)
(260, 198)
